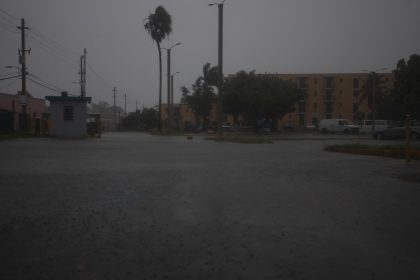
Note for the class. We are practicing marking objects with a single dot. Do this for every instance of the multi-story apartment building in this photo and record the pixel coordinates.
(332, 95)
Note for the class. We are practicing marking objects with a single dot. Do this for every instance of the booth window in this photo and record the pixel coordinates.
(68, 113)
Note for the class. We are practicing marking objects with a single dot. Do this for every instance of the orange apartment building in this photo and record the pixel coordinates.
(332, 95)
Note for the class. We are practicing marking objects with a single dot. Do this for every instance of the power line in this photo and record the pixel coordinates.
(53, 42)
(50, 47)
(38, 78)
(2, 79)
(50, 52)
(44, 86)
(99, 76)
(9, 15)
(8, 28)
(9, 85)
(8, 74)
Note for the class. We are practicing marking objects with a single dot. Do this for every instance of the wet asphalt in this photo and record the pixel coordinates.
(136, 206)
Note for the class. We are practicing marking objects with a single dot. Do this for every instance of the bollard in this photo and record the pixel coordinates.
(407, 138)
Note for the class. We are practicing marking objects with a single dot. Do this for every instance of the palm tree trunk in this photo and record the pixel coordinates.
(160, 88)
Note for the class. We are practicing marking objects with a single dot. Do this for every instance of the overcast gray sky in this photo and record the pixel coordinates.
(283, 36)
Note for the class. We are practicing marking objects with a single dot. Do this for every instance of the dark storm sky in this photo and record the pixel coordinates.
(283, 36)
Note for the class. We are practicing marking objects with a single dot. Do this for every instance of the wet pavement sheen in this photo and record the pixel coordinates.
(135, 206)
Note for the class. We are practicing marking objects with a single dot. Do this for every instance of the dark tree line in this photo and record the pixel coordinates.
(256, 98)
(403, 98)
(145, 119)
(260, 98)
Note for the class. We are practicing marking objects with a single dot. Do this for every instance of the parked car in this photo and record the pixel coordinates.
(337, 125)
(365, 126)
(398, 130)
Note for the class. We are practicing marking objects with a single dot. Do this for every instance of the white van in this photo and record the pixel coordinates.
(337, 125)
(365, 126)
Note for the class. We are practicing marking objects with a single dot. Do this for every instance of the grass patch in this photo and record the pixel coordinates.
(241, 139)
(397, 151)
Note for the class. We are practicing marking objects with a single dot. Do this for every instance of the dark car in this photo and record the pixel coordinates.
(398, 130)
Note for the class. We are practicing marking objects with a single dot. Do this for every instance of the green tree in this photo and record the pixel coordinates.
(406, 89)
(202, 96)
(149, 118)
(374, 84)
(257, 97)
(159, 26)
(131, 121)
(104, 109)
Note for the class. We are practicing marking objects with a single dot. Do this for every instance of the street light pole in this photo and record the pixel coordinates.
(220, 69)
(172, 95)
(168, 52)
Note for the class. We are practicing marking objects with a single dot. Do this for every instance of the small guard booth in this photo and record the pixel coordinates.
(68, 115)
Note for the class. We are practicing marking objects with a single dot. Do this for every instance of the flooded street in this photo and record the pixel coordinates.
(135, 206)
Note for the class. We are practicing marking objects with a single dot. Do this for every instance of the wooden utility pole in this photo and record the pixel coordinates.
(115, 107)
(22, 61)
(83, 73)
(125, 104)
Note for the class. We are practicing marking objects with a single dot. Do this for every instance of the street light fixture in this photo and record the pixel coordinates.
(373, 110)
(220, 68)
(168, 51)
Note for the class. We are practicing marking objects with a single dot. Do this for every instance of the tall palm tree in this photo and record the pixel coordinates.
(159, 26)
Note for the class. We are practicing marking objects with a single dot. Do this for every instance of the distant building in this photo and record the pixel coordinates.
(332, 95)
(12, 117)
(68, 115)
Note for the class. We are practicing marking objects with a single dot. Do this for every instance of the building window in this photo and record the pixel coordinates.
(341, 104)
(315, 106)
(68, 113)
(328, 95)
(356, 83)
(356, 93)
(329, 82)
(341, 92)
(341, 80)
(315, 81)
(315, 93)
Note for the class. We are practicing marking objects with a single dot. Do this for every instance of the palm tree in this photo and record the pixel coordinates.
(159, 26)
(202, 96)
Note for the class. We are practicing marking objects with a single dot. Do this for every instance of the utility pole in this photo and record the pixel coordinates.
(373, 102)
(115, 107)
(125, 104)
(169, 89)
(22, 60)
(83, 74)
(172, 98)
(220, 68)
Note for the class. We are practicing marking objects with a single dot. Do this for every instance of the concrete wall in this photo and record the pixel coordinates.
(68, 129)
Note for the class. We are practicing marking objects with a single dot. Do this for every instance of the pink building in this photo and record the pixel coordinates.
(11, 111)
